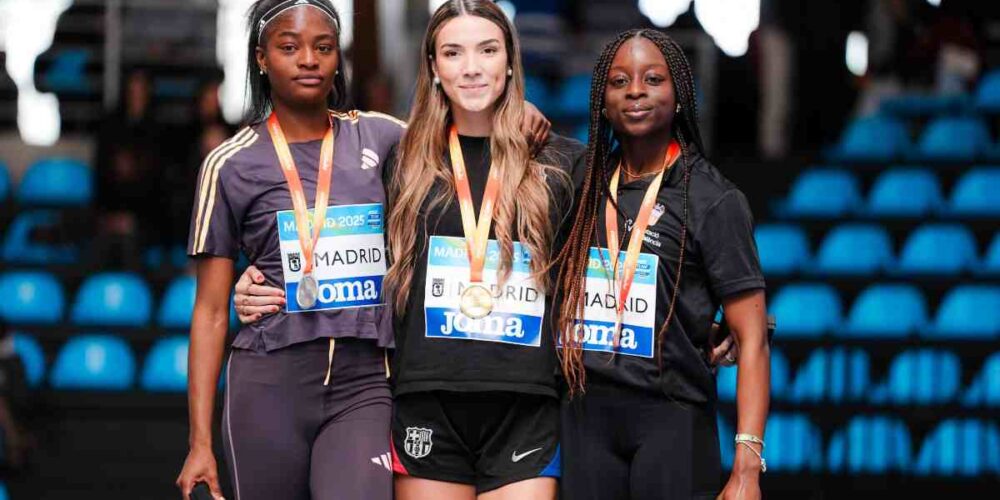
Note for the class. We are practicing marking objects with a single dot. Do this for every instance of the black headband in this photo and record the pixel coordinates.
(280, 9)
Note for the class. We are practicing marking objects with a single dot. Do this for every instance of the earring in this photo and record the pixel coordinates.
(335, 73)
(510, 72)
(261, 71)
(437, 81)
(604, 112)
(678, 110)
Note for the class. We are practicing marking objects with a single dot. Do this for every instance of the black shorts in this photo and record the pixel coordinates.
(622, 444)
(486, 439)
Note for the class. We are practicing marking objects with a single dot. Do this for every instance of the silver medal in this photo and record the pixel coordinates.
(307, 292)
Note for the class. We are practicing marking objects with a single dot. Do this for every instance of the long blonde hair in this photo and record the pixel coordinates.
(422, 166)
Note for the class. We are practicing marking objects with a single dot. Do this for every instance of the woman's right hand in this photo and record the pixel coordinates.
(199, 467)
(254, 299)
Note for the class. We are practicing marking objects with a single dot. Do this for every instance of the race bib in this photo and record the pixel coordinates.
(518, 306)
(349, 257)
(596, 330)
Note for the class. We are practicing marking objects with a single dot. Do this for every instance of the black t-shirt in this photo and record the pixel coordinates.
(720, 261)
(437, 348)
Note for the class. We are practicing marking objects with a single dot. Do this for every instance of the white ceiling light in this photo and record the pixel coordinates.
(729, 22)
(29, 30)
(433, 5)
(508, 8)
(856, 55)
(663, 13)
(936, 3)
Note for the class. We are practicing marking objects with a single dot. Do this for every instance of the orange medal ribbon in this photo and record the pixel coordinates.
(624, 280)
(299, 205)
(476, 299)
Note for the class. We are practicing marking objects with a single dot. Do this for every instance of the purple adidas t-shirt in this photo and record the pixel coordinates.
(242, 203)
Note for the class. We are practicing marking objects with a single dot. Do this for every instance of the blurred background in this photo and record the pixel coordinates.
(864, 133)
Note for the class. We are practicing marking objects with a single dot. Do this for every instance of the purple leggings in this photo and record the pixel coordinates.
(287, 435)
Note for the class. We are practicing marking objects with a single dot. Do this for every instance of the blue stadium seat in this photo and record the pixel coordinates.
(953, 138)
(166, 366)
(975, 194)
(921, 377)
(783, 248)
(4, 181)
(726, 436)
(20, 245)
(178, 303)
(94, 362)
(904, 192)
(870, 445)
(991, 261)
(726, 378)
(968, 311)
(836, 375)
(960, 447)
(56, 182)
(985, 387)
(793, 444)
(31, 297)
(536, 91)
(872, 139)
(573, 97)
(32, 357)
(988, 93)
(886, 311)
(854, 249)
(918, 105)
(822, 193)
(806, 310)
(922, 253)
(113, 299)
(67, 73)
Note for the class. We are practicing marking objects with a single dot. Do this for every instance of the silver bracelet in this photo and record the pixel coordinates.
(749, 438)
(763, 463)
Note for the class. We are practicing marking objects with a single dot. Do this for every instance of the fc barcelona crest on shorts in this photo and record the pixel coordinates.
(418, 442)
(294, 262)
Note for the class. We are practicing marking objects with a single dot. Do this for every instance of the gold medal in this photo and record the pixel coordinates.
(477, 301)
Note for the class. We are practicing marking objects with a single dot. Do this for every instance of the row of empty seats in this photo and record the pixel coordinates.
(840, 374)
(897, 192)
(106, 362)
(806, 310)
(104, 299)
(866, 249)
(984, 101)
(886, 138)
(876, 445)
(915, 376)
(50, 182)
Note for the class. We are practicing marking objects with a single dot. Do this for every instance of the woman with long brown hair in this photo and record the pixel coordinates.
(660, 239)
(471, 231)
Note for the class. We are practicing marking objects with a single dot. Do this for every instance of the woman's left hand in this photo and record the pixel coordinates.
(535, 127)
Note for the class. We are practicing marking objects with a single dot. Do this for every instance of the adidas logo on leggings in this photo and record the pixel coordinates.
(384, 460)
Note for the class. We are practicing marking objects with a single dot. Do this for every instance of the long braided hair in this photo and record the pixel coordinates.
(602, 138)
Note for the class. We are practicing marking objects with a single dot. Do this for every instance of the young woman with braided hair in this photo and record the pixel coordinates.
(659, 241)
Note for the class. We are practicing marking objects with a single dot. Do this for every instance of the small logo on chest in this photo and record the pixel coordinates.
(368, 159)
